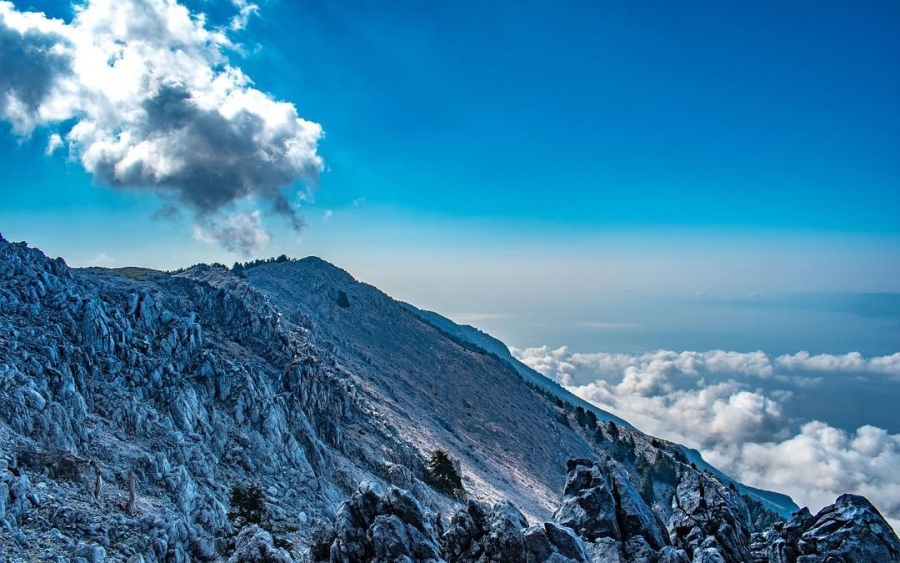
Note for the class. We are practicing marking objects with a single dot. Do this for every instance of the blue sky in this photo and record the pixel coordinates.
(607, 114)
(672, 151)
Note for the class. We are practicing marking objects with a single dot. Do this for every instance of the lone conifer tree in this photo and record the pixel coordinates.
(442, 475)
(248, 505)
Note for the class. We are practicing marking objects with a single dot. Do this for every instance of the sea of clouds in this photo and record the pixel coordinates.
(733, 407)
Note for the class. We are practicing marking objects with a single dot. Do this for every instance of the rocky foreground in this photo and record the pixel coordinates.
(603, 519)
(135, 403)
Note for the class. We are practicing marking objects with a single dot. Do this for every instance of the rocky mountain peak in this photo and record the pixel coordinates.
(141, 411)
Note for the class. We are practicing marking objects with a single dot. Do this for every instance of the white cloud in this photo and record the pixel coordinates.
(245, 10)
(853, 361)
(587, 367)
(820, 462)
(327, 215)
(148, 99)
(54, 142)
(709, 401)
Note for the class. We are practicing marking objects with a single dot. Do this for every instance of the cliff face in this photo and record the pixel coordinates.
(133, 402)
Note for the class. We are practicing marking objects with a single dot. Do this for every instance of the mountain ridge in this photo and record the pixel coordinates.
(133, 401)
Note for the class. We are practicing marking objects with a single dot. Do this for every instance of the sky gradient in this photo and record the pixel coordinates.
(534, 169)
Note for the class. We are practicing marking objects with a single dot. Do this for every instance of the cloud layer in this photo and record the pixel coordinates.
(731, 406)
(141, 92)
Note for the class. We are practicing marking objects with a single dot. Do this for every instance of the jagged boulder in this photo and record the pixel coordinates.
(605, 550)
(552, 543)
(474, 534)
(669, 554)
(635, 518)
(254, 545)
(463, 540)
(704, 508)
(588, 506)
(602, 505)
(852, 529)
(500, 536)
(378, 527)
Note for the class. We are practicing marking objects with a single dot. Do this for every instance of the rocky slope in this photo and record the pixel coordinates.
(134, 403)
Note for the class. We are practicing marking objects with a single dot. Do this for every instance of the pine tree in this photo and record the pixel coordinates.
(248, 505)
(442, 474)
(581, 417)
(630, 455)
(613, 431)
(623, 451)
(642, 464)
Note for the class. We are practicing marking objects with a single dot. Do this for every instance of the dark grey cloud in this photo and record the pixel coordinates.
(221, 159)
(30, 65)
(146, 99)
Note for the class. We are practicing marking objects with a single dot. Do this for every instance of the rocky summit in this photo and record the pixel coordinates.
(281, 411)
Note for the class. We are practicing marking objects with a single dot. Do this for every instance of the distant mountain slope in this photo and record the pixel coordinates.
(491, 345)
(437, 391)
(777, 502)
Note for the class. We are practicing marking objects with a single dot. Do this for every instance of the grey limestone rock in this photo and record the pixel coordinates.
(635, 517)
(383, 527)
(852, 529)
(92, 553)
(704, 508)
(254, 545)
(605, 550)
(588, 506)
(564, 542)
(669, 554)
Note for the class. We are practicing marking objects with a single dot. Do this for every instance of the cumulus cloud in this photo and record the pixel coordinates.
(143, 95)
(566, 366)
(713, 401)
(853, 362)
(819, 462)
(245, 10)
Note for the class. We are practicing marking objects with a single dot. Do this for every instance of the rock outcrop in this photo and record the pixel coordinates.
(851, 529)
(710, 519)
(384, 527)
(502, 535)
(254, 545)
(602, 505)
(132, 400)
(588, 506)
